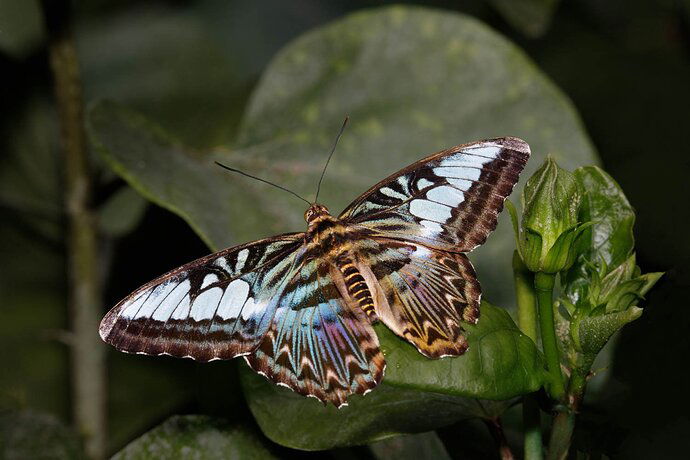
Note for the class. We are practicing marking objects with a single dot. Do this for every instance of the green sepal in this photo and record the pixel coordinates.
(591, 334)
(563, 252)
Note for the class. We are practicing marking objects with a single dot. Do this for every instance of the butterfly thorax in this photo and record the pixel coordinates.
(327, 237)
(333, 243)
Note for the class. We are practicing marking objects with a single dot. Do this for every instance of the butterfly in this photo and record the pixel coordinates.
(299, 307)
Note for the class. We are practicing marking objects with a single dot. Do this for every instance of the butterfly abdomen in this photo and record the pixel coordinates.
(357, 287)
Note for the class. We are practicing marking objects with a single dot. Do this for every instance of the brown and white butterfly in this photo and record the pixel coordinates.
(300, 306)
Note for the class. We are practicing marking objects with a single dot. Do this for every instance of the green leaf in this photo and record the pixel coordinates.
(417, 394)
(629, 293)
(122, 212)
(610, 238)
(181, 66)
(501, 362)
(30, 185)
(531, 17)
(404, 101)
(616, 276)
(195, 436)
(607, 243)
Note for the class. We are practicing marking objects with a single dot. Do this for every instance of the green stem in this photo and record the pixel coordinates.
(87, 351)
(531, 420)
(527, 320)
(543, 284)
(564, 422)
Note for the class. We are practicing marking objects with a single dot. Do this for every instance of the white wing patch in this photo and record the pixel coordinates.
(392, 193)
(208, 280)
(132, 309)
(205, 304)
(241, 259)
(151, 300)
(446, 195)
(182, 310)
(424, 183)
(167, 307)
(250, 308)
(233, 299)
(490, 151)
(222, 262)
(425, 209)
(459, 172)
(462, 184)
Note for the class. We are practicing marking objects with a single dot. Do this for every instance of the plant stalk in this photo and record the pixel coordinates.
(87, 351)
(526, 298)
(543, 285)
(564, 422)
(527, 320)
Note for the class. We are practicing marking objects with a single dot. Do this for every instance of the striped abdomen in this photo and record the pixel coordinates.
(357, 287)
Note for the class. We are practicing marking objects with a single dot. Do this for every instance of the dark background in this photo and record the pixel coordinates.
(624, 64)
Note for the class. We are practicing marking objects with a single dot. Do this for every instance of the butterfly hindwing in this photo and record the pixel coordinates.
(217, 307)
(449, 200)
(422, 294)
(317, 344)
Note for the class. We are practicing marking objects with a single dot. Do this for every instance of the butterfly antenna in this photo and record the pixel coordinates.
(261, 180)
(335, 144)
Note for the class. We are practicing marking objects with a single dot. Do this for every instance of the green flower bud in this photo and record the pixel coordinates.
(610, 303)
(550, 223)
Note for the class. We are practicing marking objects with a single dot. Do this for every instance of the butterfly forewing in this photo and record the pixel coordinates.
(217, 307)
(449, 200)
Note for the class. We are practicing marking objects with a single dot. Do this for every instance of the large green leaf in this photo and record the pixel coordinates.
(417, 395)
(413, 80)
(195, 436)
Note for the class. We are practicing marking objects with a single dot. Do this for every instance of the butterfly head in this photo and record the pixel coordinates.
(315, 211)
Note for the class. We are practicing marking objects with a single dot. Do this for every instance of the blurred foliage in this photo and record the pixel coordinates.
(623, 63)
(413, 447)
(531, 17)
(34, 435)
(195, 436)
(22, 27)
